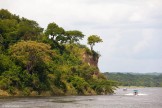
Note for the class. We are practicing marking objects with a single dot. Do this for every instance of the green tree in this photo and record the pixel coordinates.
(104, 86)
(31, 54)
(93, 39)
(5, 14)
(55, 32)
(8, 31)
(74, 36)
(29, 29)
(80, 84)
(5, 63)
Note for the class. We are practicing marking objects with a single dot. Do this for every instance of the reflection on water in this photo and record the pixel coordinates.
(147, 98)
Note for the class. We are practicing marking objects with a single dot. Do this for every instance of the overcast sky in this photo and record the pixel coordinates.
(131, 29)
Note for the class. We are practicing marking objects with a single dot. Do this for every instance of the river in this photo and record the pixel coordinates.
(147, 98)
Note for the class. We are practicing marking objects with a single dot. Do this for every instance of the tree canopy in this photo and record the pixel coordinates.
(55, 32)
(5, 14)
(93, 39)
(74, 36)
(30, 54)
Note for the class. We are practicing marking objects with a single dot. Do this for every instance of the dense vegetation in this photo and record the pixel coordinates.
(136, 79)
(36, 61)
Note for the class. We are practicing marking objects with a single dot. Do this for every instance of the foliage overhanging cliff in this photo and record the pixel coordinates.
(33, 64)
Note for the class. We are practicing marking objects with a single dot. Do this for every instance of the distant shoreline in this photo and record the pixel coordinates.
(136, 87)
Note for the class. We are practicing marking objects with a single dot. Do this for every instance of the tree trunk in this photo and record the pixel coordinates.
(91, 47)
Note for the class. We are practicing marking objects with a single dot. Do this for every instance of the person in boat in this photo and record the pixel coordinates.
(135, 92)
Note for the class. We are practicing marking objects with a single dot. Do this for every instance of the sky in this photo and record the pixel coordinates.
(131, 29)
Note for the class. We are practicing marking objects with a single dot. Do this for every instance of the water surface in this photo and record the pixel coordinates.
(151, 98)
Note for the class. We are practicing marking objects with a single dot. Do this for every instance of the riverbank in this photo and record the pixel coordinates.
(19, 93)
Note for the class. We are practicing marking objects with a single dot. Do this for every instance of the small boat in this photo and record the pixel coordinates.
(135, 92)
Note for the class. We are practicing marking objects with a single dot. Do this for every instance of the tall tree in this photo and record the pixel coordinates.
(13, 29)
(74, 36)
(93, 39)
(55, 32)
(5, 14)
(8, 30)
(31, 54)
(29, 29)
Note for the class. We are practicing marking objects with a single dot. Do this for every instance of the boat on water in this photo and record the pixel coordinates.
(135, 92)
